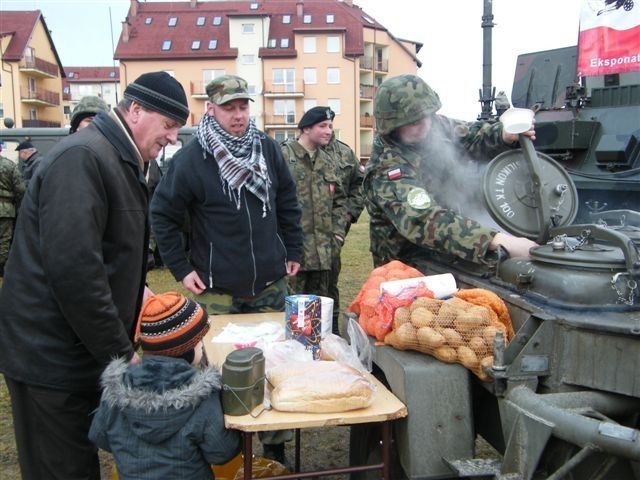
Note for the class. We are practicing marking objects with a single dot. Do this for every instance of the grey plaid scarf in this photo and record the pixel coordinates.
(240, 160)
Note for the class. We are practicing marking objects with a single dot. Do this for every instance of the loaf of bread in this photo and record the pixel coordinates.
(323, 392)
(285, 371)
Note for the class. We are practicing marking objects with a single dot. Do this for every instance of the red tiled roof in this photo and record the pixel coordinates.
(145, 40)
(92, 74)
(21, 25)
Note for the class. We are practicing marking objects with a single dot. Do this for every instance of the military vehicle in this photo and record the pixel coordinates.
(564, 397)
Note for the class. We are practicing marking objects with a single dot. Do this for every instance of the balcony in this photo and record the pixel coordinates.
(66, 97)
(41, 97)
(287, 120)
(284, 90)
(198, 90)
(366, 63)
(366, 121)
(382, 65)
(37, 67)
(367, 91)
(365, 150)
(29, 123)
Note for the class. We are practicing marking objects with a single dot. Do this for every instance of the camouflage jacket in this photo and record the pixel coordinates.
(351, 174)
(11, 188)
(420, 198)
(323, 201)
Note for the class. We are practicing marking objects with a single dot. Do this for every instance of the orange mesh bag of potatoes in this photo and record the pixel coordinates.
(367, 303)
(453, 331)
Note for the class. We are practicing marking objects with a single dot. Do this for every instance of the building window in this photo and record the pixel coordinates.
(71, 74)
(335, 105)
(253, 6)
(330, 18)
(200, 21)
(112, 74)
(213, 44)
(286, 109)
(368, 20)
(252, 89)
(333, 44)
(309, 103)
(282, 135)
(209, 75)
(248, 59)
(271, 43)
(1, 110)
(217, 20)
(173, 21)
(285, 79)
(333, 75)
(284, 43)
(310, 75)
(67, 110)
(286, 19)
(166, 45)
(306, 19)
(66, 90)
(248, 28)
(148, 20)
(195, 45)
(309, 45)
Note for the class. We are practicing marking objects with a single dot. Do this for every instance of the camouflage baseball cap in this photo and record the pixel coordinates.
(403, 100)
(226, 88)
(87, 107)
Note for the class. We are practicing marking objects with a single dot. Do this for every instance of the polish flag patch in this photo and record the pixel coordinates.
(394, 174)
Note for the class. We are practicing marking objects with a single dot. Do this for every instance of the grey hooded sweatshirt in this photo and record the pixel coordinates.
(163, 419)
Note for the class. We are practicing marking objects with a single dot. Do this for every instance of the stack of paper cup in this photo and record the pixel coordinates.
(326, 315)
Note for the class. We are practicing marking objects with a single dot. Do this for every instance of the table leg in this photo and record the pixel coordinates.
(386, 449)
(297, 450)
(247, 451)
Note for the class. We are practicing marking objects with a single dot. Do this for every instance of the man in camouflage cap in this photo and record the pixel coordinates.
(87, 108)
(412, 187)
(322, 198)
(11, 192)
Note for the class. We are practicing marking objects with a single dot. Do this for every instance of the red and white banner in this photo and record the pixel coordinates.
(609, 37)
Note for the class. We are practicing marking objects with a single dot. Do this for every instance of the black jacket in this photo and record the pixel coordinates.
(75, 275)
(235, 251)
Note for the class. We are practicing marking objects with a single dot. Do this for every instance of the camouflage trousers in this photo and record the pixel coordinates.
(313, 282)
(271, 299)
(334, 291)
(6, 234)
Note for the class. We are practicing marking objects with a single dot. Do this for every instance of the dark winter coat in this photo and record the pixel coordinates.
(74, 279)
(163, 419)
(235, 251)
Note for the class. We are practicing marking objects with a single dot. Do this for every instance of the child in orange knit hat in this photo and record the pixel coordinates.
(162, 418)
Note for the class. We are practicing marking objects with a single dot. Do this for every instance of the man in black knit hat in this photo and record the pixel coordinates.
(75, 278)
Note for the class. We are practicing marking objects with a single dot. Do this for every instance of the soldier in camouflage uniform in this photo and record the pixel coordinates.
(407, 194)
(322, 198)
(87, 108)
(11, 192)
(351, 174)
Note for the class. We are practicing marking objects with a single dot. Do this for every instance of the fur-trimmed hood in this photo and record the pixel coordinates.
(159, 395)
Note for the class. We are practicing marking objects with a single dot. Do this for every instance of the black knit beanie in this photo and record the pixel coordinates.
(160, 92)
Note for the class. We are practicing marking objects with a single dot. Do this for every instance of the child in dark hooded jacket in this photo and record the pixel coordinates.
(162, 418)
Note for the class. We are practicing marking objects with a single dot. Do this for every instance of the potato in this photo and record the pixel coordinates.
(422, 317)
(393, 340)
(432, 304)
(428, 337)
(447, 315)
(407, 335)
(486, 362)
(453, 338)
(471, 322)
(445, 354)
(467, 357)
(479, 346)
(401, 315)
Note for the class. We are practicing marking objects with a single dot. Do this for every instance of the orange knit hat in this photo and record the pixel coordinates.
(171, 324)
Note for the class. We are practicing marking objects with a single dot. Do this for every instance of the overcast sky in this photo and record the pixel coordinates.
(449, 30)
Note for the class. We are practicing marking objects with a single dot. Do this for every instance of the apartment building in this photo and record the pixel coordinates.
(294, 54)
(103, 82)
(31, 72)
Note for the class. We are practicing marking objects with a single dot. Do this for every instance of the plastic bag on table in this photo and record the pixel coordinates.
(285, 351)
(360, 346)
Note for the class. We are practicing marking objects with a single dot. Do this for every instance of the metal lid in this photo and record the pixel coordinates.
(592, 257)
(527, 193)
